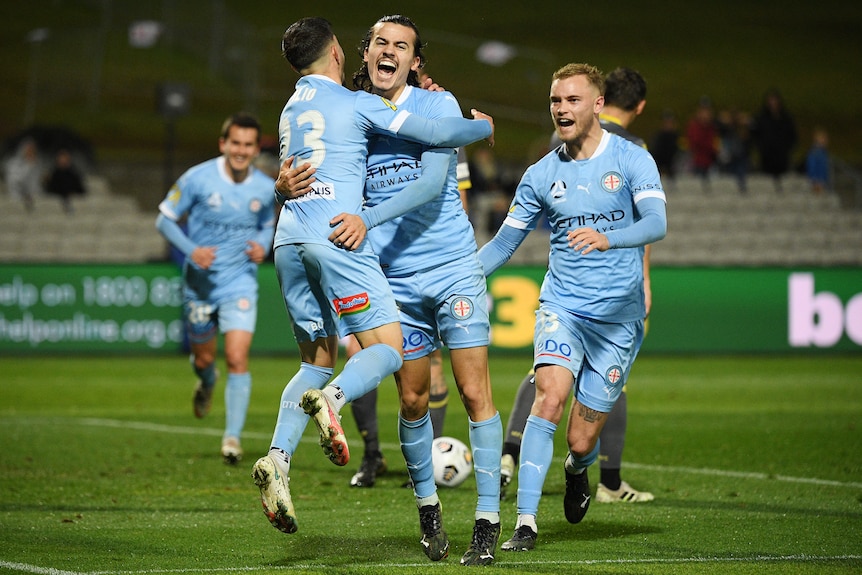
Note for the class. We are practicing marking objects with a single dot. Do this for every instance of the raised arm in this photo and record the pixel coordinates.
(445, 132)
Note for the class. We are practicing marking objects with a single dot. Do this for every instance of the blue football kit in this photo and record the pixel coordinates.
(429, 253)
(226, 215)
(591, 307)
(329, 290)
(429, 256)
(329, 126)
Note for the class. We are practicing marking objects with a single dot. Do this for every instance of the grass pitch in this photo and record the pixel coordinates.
(755, 462)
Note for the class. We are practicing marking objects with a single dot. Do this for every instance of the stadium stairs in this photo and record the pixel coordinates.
(719, 228)
(103, 228)
(724, 228)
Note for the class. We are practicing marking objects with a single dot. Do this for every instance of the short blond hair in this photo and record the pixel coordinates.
(595, 76)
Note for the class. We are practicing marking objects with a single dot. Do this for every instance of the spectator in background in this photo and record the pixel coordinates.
(818, 163)
(665, 145)
(486, 180)
(65, 180)
(702, 137)
(774, 132)
(734, 129)
(23, 176)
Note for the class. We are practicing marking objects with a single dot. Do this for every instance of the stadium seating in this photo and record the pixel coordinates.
(722, 227)
(717, 228)
(103, 228)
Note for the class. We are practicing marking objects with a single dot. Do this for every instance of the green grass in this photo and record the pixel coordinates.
(755, 463)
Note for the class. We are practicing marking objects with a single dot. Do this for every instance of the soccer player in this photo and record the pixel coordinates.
(441, 293)
(332, 279)
(625, 99)
(364, 409)
(229, 206)
(604, 200)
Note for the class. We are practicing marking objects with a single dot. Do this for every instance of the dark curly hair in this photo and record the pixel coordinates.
(361, 78)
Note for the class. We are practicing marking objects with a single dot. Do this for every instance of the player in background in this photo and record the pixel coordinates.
(229, 207)
(364, 409)
(603, 198)
(331, 279)
(441, 293)
(625, 99)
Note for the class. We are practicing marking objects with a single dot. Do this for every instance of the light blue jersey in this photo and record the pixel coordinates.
(429, 253)
(604, 192)
(413, 241)
(328, 126)
(224, 214)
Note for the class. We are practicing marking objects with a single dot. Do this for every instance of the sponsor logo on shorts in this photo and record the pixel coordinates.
(461, 308)
(555, 349)
(352, 304)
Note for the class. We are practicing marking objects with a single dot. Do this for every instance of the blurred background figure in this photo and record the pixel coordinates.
(65, 180)
(23, 174)
(487, 195)
(664, 146)
(734, 153)
(774, 133)
(702, 137)
(818, 163)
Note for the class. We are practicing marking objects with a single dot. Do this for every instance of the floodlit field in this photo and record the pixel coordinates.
(755, 462)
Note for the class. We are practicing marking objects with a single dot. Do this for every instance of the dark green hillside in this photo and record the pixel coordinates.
(86, 75)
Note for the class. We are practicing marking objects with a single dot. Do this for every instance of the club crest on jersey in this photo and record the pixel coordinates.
(254, 206)
(352, 304)
(612, 182)
(391, 106)
(461, 308)
(614, 375)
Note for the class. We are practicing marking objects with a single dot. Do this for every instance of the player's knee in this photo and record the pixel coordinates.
(413, 404)
(237, 362)
(203, 359)
(582, 445)
(548, 406)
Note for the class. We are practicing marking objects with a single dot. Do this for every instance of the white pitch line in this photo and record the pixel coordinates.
(803, 558)
(209, 431)
(25, 568)
(161, 428)
(156, 427)
(744, 475)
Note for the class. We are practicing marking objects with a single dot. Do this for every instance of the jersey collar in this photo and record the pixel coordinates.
(603, 144)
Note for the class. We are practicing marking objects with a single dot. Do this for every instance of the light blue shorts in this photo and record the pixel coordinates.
(599, 354)
(332, 291)
(447, 305)
(230, 314)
